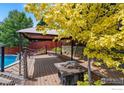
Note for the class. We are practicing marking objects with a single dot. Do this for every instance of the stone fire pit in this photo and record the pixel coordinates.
(70, 72)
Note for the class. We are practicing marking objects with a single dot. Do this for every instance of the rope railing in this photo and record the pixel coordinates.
(24, 63)
(23, 66)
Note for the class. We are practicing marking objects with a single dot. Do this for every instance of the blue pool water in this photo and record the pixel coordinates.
(8, 60)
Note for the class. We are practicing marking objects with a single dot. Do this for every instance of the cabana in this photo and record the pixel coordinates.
(33, 35)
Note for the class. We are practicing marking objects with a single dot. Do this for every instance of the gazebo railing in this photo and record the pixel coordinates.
(23, 64)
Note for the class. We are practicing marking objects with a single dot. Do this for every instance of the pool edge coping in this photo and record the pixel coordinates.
(15, 62)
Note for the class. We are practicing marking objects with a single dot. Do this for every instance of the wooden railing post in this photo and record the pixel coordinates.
(25, 66)
(61, 49)
(72, 50)
(55, 47)
(20, 53)
(46, 48)
(89, 71)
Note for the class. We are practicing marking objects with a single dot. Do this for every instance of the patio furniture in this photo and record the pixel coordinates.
(70, 72)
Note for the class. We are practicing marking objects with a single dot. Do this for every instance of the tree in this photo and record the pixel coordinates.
(41, 23)
(98, 26)
(15, 21)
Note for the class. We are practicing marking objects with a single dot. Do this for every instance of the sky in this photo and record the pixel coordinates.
(6, 7)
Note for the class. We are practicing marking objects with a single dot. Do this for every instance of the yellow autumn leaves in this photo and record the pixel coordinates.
(98, 26)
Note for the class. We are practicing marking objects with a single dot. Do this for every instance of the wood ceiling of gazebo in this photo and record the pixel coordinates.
(32, 34)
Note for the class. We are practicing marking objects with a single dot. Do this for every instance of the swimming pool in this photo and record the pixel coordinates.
(9, 60)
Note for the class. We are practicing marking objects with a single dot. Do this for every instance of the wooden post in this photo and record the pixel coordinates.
(25, 67)
(89, 71)
(2, 59)
(55, 47)
(46, 48)
(72, 50)
(20, 50)
(61, 49)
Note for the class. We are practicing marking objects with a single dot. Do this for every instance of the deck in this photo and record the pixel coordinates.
(41, 70)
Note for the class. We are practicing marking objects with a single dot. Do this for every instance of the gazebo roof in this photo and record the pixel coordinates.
(33, 34)
(34, 31)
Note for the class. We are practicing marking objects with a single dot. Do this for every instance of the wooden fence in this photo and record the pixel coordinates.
(34, 45)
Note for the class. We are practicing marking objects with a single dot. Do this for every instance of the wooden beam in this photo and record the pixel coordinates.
(72, 50)
(2, 59)
(89, 71)
(20, 54)
(38, 37)
(55, 47)
(46, 48)
(25, 65)
(61, 49)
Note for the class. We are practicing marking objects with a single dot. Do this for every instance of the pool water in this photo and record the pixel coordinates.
(8, 60)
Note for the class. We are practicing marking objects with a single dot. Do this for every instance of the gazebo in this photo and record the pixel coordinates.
(33, 35)
(2, 56)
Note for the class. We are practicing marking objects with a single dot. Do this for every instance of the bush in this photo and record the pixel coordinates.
(57, 49)
(86, 82)
(97, 64)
